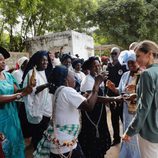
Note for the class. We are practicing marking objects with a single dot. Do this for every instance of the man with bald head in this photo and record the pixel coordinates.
(115, 72)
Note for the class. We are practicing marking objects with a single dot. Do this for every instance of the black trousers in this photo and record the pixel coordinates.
(76, 153)
(116, 114)
(38, 129)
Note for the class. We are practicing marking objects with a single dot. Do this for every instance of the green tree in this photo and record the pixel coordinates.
(99, 37)
(9, 17)
(124, 21)
(37, 17)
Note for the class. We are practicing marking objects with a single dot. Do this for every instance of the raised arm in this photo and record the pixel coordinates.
(111, 86)
(89, 103)
(17, 95)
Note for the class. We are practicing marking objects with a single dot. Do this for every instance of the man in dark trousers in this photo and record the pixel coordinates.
(116, 70)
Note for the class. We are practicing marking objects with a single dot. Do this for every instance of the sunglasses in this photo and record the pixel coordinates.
(114, 53)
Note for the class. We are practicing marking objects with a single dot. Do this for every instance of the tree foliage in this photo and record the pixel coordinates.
(124, 21)
(115, 21)
(37, 17)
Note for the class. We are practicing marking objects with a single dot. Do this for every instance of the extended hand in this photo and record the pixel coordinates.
(101, 77)
(86, 95)
(32, 82)
(126, 138)
(129, 97)
(27, 90)
(110, 85)
(41, 88)
(130, 88)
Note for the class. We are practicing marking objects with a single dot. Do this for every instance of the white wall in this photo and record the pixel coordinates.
(73, 42)
(82, 45)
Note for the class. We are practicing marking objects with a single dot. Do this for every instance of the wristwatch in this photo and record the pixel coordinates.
(19, 96)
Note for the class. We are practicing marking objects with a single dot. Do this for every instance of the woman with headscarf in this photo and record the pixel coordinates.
(77, 64)
(126, 86)
(146, 120)
(94, 137)
(60, 139)
(38, 106)
(12, 139)
(79, 75)
(22, 63)
(66, 60)
(85, 67)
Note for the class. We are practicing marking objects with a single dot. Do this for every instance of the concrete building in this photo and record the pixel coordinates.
(67, 41)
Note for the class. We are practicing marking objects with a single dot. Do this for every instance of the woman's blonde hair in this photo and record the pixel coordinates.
(147, 46)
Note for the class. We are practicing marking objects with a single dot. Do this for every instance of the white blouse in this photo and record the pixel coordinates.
(38, 105)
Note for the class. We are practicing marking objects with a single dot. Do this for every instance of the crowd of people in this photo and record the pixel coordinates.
(60, 106)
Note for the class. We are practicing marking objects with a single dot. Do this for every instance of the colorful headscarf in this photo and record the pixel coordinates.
(22, 60)
(126, 56)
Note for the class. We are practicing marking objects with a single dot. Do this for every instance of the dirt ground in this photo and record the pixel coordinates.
(111, 153)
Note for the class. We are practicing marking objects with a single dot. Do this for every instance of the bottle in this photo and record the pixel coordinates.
(33, 78)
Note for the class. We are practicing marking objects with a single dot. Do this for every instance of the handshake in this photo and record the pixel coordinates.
(129, 97)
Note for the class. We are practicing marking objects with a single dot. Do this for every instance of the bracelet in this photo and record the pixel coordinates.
(19, 96)
(115, 98)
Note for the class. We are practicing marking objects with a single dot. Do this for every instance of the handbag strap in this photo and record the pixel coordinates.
(54, 102)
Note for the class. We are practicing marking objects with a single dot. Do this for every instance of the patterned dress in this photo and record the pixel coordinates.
(9, 121)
